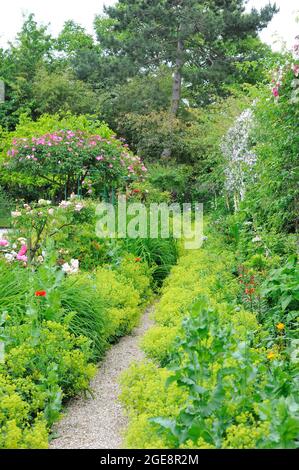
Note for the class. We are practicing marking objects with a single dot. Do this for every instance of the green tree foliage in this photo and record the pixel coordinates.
(194, 39)
(18, 66)
(56, 91)
(188, 36)
(73, 38)
(40, 75)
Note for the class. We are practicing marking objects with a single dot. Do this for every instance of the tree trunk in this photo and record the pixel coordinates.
(176, 90)
(177, 80)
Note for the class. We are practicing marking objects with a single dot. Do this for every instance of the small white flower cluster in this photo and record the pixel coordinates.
(72, 267)
(78, 206)
(44, 202)
(65, 204)
(16, 214)
(10, 257)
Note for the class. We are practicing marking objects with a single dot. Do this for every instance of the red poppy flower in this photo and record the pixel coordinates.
(137, 260)
(136, 190)
(40, 293)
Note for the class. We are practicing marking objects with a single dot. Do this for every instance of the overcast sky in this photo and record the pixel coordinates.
(56, 12)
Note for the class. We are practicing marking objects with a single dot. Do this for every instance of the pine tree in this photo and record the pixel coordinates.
(182, 34)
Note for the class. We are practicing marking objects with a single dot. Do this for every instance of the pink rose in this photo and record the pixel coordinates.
(23, 250)
(22, 258)
(296, 70)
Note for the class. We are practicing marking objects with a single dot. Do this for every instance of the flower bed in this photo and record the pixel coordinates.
(217, 374)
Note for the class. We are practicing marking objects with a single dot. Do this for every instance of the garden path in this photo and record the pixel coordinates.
(98, 422)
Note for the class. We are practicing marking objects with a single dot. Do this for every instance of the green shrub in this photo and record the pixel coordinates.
(158, 343)
(148, 193)
(67, 157)
(43, 365)
(173, 179)
(144, 395)
(6, 206)
(136, 271)
(281, 290)
(122, 301)
(17, 429)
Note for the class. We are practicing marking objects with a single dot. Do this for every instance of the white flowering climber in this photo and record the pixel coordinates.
(240, 159)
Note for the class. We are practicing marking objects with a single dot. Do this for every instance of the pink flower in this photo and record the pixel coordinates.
(110, 166)
(99, 158)
(296, 70)
(23, 250)
(143, 168)
(15, 214)
(22, 258)
(275, 92)
(4, 242)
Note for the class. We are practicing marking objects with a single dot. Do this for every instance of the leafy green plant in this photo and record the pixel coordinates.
(221, 374)
(6, 206)
(122, 301)
(44, 364)
(281, 290)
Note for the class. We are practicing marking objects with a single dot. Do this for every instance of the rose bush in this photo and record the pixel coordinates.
(69, 160)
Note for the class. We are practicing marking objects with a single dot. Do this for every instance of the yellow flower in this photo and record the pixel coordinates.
(280, 326)
(271, 355)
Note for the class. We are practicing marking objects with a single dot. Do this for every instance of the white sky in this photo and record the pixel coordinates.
(56, 12)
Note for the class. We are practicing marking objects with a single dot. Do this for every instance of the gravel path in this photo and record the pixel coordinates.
(97, 423)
